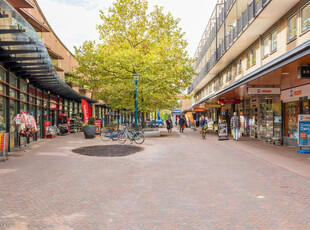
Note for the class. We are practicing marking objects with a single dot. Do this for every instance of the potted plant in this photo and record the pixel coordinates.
(90, 128)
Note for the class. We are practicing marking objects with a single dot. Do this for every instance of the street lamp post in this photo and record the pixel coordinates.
(136, 78)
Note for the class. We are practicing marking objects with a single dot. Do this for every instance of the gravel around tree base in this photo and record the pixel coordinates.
(108, 150)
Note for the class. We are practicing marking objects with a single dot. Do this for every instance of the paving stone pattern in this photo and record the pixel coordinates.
(177, 182)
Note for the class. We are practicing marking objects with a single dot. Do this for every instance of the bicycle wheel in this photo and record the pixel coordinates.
(115, 135)
(103, 136)
(122, 137)
(139, 138)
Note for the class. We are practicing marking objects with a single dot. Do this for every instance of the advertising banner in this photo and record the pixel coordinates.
(303, 130)
(98, 124)
(85, 109)
(212, 106)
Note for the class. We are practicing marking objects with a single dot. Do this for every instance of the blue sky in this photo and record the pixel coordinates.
(82, 16)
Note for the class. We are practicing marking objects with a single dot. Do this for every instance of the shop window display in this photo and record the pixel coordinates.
(2, 114)
(291, 119)
(13, 132)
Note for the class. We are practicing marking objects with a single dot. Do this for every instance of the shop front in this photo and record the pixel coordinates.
(295, 102)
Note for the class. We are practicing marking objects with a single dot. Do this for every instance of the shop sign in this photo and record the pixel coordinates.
(304, 130)
(176, 111)
(229, 101)
(199, 110)
(295, 93)
(98, 126)
(259, 91)
(212, 106)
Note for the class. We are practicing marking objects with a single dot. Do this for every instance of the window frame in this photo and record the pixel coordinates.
(268, 48)
(271, 42)
(253, 55)
(288, 27)
(301, 21)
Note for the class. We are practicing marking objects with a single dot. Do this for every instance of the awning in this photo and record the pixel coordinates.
(23, 52)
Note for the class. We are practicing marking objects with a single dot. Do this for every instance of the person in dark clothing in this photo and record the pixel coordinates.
(182, 124)
(169, 125)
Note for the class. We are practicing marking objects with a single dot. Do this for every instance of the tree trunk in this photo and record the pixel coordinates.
(143, 120)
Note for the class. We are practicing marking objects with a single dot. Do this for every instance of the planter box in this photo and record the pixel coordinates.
(89, 131)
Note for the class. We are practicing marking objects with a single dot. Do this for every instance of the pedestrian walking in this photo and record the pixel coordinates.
(169, 125)
(202, 124)
(235, 125)
(182, 124)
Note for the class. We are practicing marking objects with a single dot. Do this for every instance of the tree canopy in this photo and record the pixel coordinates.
(133, 39)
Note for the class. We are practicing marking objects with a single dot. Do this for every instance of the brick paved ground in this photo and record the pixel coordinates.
(178, 182)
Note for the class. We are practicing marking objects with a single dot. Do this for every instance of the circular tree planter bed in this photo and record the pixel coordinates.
(108, 150)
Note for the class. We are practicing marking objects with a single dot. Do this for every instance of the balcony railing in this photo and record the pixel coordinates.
(252, 11)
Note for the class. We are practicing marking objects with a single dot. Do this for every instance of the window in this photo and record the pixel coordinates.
(240, 67)
(235, 69)
(266, 46)
(2, 75)
(274, 42)
(13, 80)
(248, 60)
(253, 54)
(2, 114)
(305, 18)
(229, 73)
(292, 27)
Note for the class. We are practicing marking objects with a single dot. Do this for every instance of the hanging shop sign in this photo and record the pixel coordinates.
(260, 91)
(229, 101)
(176, 111)
(212, 106)
(303, 130)
(303, 72)
(295, 93)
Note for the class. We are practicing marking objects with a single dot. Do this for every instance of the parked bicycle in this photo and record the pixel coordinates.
(107, 134)
(136, 136)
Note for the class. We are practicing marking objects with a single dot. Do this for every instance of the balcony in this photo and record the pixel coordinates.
(253, 9)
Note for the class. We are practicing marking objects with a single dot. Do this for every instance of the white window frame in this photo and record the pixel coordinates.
(288, 27)
(267, 53)
(271, 41)
(304, 6)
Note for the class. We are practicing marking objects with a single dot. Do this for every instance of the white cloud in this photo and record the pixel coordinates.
(74, 21)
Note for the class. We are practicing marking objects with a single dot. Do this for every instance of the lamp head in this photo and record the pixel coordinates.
(136, 77)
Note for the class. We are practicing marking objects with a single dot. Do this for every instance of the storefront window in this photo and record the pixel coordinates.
(1, 88)
(13, 93)
(13, 131)
(305, 18)
(13, 80)
(291, 119)
(23, 86)
(2, 75)
(292, 27)
(23, 107)
(23, 97)
(2, 114)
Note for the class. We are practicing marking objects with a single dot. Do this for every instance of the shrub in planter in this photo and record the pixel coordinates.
(90, 128)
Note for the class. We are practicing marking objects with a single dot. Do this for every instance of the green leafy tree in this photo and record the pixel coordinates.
(134, 40)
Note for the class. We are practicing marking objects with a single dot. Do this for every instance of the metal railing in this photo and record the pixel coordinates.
(252, 11)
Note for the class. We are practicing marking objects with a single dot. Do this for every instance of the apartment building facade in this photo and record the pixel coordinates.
(253, 59)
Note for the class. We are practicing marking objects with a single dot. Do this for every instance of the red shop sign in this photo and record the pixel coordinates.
(229, 101)
(199, 110)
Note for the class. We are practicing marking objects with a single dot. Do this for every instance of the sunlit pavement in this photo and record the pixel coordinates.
(178, 182)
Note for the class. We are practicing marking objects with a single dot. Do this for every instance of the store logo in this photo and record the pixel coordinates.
(291, 93)
(259, 90)
(295, 93)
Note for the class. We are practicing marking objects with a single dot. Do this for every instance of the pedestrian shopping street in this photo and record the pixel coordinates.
(177, 182)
